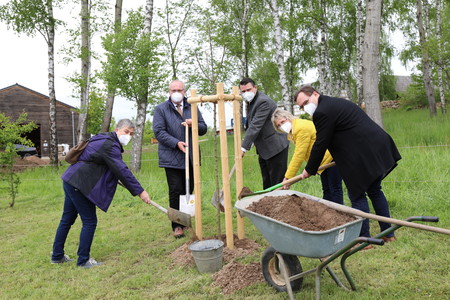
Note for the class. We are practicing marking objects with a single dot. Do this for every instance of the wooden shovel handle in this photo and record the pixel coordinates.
(300, 177)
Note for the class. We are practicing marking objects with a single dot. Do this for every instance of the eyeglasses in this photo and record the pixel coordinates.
(304, 102)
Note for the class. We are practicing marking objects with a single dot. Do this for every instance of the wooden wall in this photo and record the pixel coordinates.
(17, 99)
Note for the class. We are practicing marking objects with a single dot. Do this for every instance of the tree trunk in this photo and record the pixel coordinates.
(142, 102)
(371, 60)
(280, 56)
(359, 47)
(51, 86)
(426, 62)
(440, 63)
(107, 116)
(138, 137)
(85, 70)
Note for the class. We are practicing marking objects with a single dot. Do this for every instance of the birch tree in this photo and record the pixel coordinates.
(30, 17)
(359, 47)
(107, 117)
(280, 56)
(426, 62)
(134, 51)
(371, 60)
(85, 69)
(440, 62)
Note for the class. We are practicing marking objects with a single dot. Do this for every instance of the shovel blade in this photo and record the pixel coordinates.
(218, 200)
(179, 217)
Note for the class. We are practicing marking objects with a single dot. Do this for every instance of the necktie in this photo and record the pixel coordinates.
(179, 109)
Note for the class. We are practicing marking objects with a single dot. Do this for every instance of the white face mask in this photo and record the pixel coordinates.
(176, 97)
(286, 127)
(248, 96)
(310, 108)
(124, 139)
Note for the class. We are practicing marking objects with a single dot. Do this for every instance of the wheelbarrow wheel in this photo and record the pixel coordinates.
(272, 271)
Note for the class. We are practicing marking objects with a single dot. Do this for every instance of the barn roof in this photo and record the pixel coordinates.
(37, 94)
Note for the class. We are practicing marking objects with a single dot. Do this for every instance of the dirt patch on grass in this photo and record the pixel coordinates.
(233, 276)
(300, 212)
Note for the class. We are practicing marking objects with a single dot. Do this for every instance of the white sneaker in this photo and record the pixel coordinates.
(91, 263)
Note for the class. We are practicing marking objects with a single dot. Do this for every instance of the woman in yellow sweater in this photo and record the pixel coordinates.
(303, 134)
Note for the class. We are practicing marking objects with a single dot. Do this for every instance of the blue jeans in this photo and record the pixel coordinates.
(75, 203)
(379, 203)
(332, 185)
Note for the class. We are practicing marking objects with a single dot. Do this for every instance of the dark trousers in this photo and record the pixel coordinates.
(379, 203)
(176, 181)
(274, 168)
(332, 185)
(75, 203)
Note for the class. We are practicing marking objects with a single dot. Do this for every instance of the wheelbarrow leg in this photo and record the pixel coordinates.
(285, 275)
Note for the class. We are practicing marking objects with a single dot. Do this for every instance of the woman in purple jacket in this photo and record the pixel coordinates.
(91, 182)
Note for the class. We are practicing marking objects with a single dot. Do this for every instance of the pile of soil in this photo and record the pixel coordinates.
(20, 164)
(182, 256)
(233, 276)
(300, 212)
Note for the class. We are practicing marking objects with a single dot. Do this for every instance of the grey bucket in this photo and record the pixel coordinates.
(207, 255)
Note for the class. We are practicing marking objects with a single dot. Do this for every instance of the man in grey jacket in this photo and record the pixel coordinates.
(168, 127)
(272, 147)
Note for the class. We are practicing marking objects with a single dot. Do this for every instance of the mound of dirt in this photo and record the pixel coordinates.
(300, 212)
(182, 256)
(21, 164)
(235, 276)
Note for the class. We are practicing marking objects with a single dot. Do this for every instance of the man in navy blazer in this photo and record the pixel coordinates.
(363, 151)
(272, 147)
(170, 133)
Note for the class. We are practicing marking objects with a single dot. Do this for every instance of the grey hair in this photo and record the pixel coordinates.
(125, 123)
(177, 80)
(280, 113)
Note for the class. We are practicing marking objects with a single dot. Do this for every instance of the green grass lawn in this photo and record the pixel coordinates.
(134, 240)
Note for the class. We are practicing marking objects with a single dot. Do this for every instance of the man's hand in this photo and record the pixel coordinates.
(188, 122)
(145, 197)
(305, 174)
(286, 186)
(182, 146)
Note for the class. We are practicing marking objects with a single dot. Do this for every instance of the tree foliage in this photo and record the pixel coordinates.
(12, 132)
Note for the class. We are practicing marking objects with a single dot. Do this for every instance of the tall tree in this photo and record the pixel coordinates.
(280, 56)
(31, 17)
(440, 64)
(371, 60)
(134, 69)
(426, 62)
(107, 117)
(85, 69)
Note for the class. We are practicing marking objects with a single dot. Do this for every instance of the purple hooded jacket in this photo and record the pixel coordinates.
(98, 170)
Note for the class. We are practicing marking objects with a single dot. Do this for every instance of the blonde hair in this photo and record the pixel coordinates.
(280, 113)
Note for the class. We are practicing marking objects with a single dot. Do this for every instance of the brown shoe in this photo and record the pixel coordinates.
(178, 232)
(368, 247)
(389, 239)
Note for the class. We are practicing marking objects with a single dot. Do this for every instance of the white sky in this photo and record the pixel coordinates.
(23, 60)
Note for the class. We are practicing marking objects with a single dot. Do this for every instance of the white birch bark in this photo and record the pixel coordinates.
(136, 147)
(440, 67)
(85, 69)
(107, 116)
(51, 86)
(359, 47)
(279, 56)
(426, 62)
(244, 31)
(371, 60)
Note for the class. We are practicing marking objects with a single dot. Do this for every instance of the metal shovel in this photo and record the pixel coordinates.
(187, 202)
(217, 199)
(174, 215)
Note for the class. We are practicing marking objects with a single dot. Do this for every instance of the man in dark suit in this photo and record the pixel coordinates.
(363, 151)
(272, 147)
(170, 132)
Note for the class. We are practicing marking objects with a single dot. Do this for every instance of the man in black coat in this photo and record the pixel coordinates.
(363, 151)
(272, 147)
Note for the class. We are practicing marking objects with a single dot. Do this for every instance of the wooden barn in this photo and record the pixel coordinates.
(16, 99)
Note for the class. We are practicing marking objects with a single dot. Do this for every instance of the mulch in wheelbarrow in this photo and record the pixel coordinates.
(300, 212)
